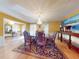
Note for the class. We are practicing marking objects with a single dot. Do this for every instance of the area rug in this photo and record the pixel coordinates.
(50, 52)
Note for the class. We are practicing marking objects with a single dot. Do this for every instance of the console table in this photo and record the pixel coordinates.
(70, 34)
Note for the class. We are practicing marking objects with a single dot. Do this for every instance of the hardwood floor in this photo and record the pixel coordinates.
(70, 53)
(7, 53)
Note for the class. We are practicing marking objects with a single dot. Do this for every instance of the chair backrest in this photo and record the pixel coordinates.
(53, 36)
(26, 35)
(40, 36)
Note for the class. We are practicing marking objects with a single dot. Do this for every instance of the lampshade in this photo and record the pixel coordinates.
(39, 21)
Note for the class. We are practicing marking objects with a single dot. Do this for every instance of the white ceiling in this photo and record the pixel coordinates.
(11, 22)
(29, 10)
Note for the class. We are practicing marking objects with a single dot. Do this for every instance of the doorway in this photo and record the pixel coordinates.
(13, 29)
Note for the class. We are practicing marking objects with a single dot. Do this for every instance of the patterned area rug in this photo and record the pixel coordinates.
(50, 52)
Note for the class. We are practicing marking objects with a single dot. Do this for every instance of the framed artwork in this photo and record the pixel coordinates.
(8, 28)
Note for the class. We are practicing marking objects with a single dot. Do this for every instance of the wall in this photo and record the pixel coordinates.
(3, 15)
(1, 25)
(28, 27)
(54, 26)
(71, 14)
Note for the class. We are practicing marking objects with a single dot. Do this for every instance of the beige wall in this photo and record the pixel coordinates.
(54, 26)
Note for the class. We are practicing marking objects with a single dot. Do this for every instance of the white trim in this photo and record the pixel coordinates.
(1, 41)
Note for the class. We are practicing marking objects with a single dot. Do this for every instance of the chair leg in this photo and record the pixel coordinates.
(25, 47)
(30, 47)
(36, 48)
(44, 49)
(24, 43)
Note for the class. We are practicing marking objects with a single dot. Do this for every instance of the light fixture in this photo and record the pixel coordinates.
(39, 19)
(39, 22)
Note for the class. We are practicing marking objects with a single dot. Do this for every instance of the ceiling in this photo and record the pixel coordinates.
(32, 10)
(12, 22)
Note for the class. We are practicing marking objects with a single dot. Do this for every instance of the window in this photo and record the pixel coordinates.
(46, 28)
(33, 29)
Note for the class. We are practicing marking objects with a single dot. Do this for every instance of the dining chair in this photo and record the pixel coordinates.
(27, 40)
(51, 40)
(40, 42)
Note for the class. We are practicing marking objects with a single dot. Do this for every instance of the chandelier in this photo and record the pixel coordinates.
(39, 22)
